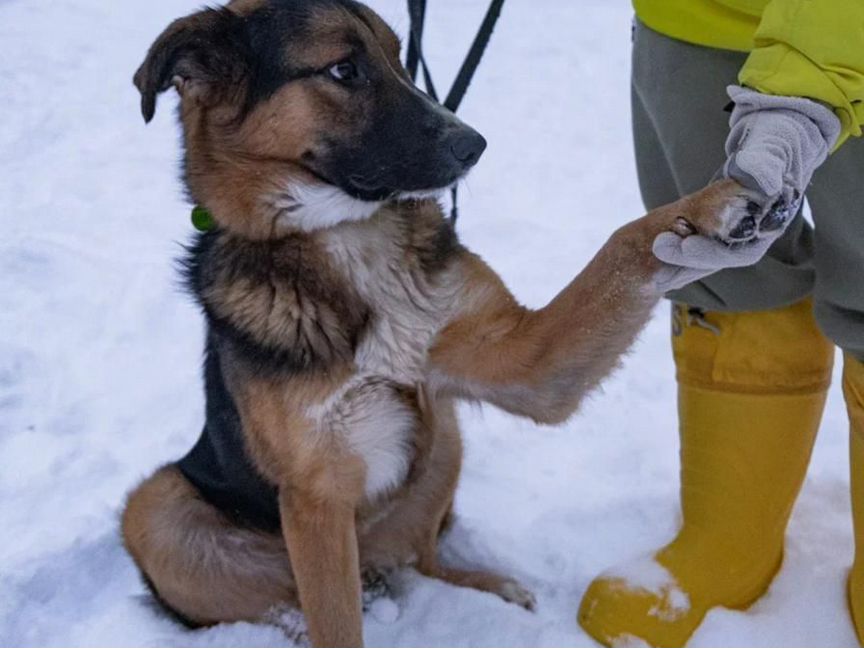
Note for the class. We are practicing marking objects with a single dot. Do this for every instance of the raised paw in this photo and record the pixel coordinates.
(734, 215)
(722, 226)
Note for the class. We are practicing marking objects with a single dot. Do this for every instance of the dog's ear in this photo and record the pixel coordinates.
(201, 55)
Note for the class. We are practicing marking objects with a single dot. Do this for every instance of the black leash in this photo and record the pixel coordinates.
(415, 60)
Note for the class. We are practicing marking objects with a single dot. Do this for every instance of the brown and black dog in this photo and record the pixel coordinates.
(344, 319)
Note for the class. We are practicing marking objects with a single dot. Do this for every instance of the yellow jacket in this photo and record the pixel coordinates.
(803, 48)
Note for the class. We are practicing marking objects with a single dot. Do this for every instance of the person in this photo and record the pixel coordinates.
(753, 346)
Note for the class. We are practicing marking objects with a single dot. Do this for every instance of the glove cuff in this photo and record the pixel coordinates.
(823, 117)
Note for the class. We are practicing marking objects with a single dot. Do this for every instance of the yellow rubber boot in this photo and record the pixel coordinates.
(853, 390)
(751, 392)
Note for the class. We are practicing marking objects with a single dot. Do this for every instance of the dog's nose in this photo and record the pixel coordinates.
(467, 146)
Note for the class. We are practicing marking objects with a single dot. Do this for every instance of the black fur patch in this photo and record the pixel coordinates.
(274, 302)
(440, 249)
(218, 465)
(432, 237)
(267, 30)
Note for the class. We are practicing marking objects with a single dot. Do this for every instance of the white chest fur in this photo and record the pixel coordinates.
(409, 309)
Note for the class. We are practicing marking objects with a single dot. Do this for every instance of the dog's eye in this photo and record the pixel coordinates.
(343, 71)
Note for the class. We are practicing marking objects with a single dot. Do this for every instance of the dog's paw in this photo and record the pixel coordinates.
(749, 217)
(375, 586)
(734, 215)
(513, 592)
(291, 622)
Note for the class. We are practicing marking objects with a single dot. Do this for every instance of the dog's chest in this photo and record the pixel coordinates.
(375, 411)
(405, 321)
(408, 306)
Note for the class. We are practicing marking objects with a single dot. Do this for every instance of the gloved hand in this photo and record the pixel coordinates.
(692, 258)
(774, 146)
(776, 143)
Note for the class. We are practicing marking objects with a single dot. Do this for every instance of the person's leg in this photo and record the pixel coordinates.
(837, 199)
(752, 369)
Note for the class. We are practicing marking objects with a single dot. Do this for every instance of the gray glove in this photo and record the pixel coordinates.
(776, 143)
(774, 146)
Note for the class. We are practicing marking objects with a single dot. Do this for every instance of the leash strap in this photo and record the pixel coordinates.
(417, 18)
(417, 15)
(475, 54)
(415, 60)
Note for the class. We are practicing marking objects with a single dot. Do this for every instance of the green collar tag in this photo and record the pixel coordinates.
(202, 219)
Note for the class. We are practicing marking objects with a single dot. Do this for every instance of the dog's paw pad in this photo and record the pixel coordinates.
(744, 230)
(779, 214)
(749, 217)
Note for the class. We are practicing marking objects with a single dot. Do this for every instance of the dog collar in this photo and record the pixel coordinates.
(202, 219)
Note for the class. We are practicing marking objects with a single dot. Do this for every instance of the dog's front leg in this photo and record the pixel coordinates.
(320, 488)
(322, 543)
(540, 363)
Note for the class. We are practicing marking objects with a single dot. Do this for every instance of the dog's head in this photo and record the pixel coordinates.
(299, 114)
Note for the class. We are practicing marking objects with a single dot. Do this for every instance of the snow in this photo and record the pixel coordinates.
(100, 350)
(629, 641)
(647, 575)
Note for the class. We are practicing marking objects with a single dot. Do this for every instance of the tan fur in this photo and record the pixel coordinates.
(386, 320)
(204, 566)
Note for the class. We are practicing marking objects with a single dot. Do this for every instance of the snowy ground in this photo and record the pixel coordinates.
(99, 350)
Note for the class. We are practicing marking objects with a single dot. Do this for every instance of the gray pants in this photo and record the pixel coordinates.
(679, 128)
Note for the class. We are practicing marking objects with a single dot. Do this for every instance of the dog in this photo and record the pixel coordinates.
(345, 319)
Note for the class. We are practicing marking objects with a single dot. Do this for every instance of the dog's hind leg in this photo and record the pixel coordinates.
(200, 565)
(506, 588)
